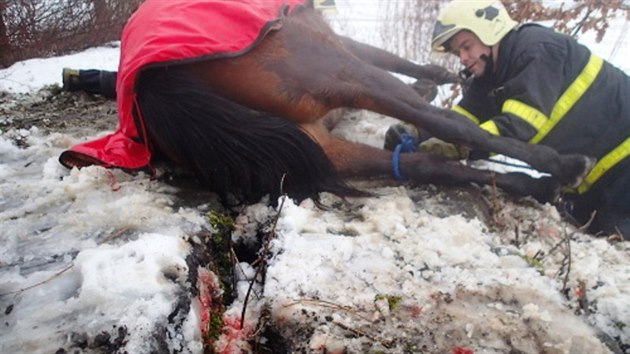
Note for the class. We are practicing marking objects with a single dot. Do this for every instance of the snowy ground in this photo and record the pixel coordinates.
(98, 261)
(101, 261)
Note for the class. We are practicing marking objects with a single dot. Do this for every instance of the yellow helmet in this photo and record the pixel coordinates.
(487, 19)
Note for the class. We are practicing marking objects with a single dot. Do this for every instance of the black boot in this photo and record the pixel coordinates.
(97, 82)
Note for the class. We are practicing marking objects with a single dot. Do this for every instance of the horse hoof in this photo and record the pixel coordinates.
(543, 189)
(575, 169)
(426, 89)
(549, 191)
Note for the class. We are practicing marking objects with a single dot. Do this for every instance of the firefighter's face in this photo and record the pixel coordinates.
(472, 53)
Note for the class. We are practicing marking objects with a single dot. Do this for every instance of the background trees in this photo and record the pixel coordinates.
(34, 28)
(408, 24)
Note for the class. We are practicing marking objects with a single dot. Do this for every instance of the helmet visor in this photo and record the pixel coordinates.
(441, 34)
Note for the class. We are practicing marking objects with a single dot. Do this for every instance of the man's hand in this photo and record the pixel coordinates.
(440, 147)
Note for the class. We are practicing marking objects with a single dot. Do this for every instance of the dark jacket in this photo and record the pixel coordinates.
(551, 90)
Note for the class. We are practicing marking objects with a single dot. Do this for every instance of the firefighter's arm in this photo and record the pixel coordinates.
(528, 98)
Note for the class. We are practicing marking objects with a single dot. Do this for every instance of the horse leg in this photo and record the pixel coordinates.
(332, 118)
(383, 94)
(349, 159)
(302, 71)
(346, 80)
(393, 63)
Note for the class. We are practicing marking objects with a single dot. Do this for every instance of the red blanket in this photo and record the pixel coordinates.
(163, 31)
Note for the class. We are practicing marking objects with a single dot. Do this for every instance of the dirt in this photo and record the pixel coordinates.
(54, 110)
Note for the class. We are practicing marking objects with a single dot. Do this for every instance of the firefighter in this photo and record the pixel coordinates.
(533, 84)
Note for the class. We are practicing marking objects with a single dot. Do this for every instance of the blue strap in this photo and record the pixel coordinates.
(407, 144)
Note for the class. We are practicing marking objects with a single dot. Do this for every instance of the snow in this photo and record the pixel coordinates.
(33, 74)
(95, 251)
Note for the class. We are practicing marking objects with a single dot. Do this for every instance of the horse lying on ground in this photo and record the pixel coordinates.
(247, 120)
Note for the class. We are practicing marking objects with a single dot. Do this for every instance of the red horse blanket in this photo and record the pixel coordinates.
(173, 31)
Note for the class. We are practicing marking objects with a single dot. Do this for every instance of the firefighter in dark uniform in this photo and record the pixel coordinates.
(533, 84)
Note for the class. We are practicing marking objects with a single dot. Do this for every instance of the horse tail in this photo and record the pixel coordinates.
(237, 151)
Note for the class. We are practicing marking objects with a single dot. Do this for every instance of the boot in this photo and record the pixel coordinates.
(70, 79)
(96, 82)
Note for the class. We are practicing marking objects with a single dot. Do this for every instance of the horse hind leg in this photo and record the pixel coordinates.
(239, 152)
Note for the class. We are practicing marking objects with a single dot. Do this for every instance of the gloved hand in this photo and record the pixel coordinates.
(448, 150)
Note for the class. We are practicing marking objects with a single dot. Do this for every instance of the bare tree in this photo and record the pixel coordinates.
(410, 23)
(573, 18)
(50, 27)
(102, 14)
(5, 45)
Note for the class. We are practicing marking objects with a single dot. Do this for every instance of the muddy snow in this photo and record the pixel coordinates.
(100, 261)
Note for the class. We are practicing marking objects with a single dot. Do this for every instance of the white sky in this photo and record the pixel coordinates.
(466, 284)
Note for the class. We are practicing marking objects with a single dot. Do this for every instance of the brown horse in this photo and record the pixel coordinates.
(244, 122)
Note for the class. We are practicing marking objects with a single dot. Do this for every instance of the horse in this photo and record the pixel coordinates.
(257, 123)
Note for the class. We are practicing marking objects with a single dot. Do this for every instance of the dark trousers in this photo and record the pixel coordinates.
(610, 199)
(99, 82)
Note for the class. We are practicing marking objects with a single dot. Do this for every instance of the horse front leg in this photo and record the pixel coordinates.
(383, 93)
(393, 63)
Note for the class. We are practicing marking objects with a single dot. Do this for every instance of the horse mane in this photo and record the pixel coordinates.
(237, 151)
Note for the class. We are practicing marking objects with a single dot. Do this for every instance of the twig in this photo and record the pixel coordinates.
(386, 344)
(113, 236)
(556, 246)
(107, 239)
(265, 251)
(580, 292)
(40, 283)
(238, 265)
(568, 243)
(328, 304)
(568, 258)
(580, 23)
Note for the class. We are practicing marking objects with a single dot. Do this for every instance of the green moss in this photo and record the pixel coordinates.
(221, 223)
(533, 262)
(392, 301)
(219, 243)
(214, 327)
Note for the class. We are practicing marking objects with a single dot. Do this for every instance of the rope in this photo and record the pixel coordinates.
(407, 144)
